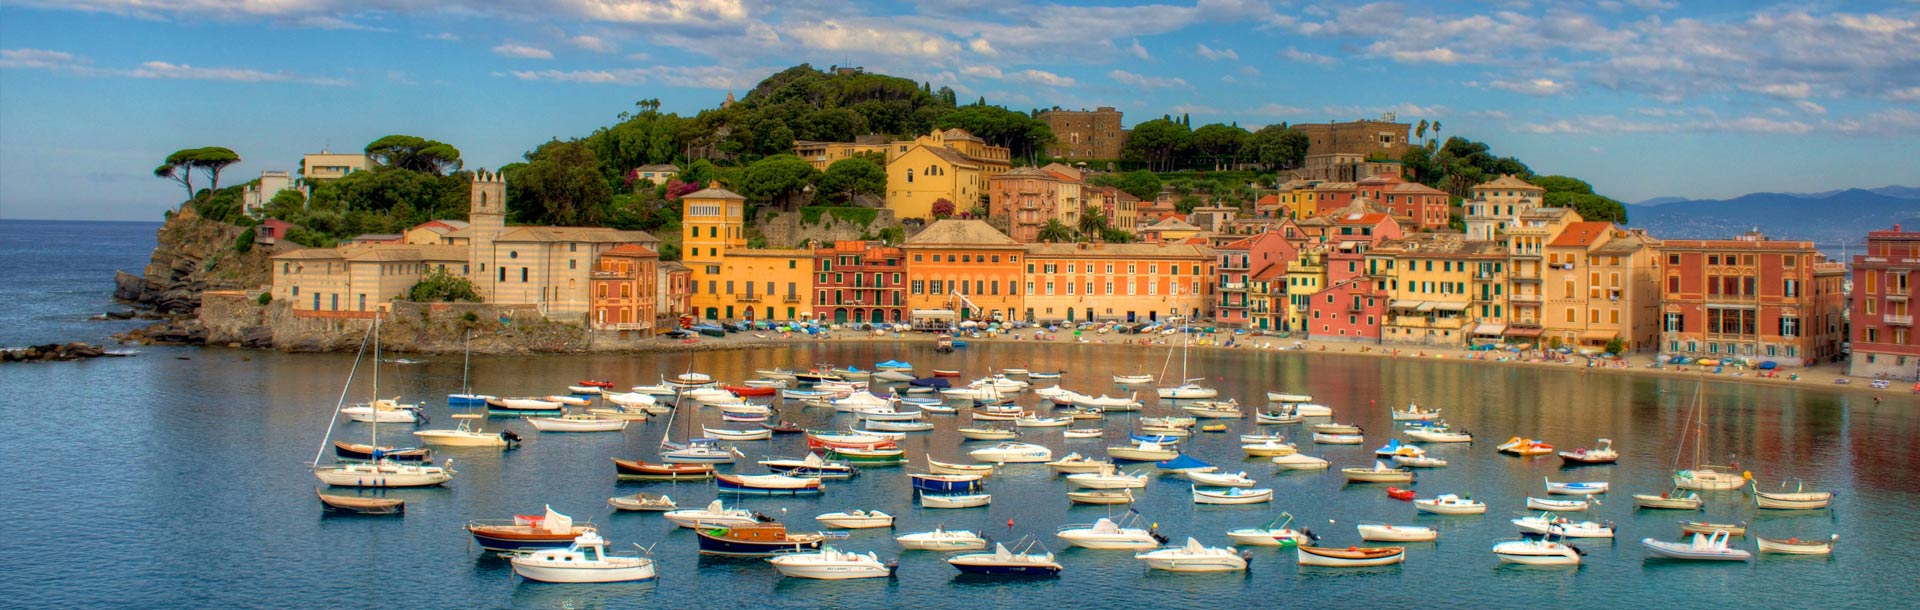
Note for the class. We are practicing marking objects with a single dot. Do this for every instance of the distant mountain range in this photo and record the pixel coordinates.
(1832, 218)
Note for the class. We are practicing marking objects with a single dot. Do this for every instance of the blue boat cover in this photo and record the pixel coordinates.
(931, 382)
(1391, 446)
(890, 364)
(1157, 438)
(1182, 462)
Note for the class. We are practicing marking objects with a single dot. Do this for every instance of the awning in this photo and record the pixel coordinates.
(1598, 336)
(1490, 329)
(1426, 307)
(1445, 306)
(1405, 304)
(1525, 331)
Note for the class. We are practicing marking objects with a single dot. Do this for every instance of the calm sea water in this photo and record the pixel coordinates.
(177, 479)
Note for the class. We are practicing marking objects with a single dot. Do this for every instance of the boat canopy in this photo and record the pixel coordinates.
(892, 364)
(931, 382)
(1182, 462)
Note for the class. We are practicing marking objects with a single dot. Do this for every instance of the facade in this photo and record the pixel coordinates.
(1349, 309)
(1169, 229)
(357, 278)
(860, 281)
(254, 197)
(927, 174)
(1083, 134)
(1267, 296)
(965, 266)
(1600, 286)
(1527, 269)
(1028, 197)
(1751, 298)
(1352, 150)
(824, 154)
(1234, 265)
(325, 165)
(656, 174)
(1495, 205)
(1441, 288)
(1121, 208)
(624, 290)
(433, 232)
(1129, 282)
(727, 281)
(1417, 206)
(1881, 315)
(673, 287)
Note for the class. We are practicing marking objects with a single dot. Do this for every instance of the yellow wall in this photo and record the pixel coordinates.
(963, 185)
(776, 284)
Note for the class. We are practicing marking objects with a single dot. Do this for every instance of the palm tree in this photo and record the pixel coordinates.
(1054, 232)
(1092, 223)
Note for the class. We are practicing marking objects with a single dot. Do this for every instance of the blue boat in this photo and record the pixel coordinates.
(957, 343)
(1001, 562)
(893, 365)
(1182, 463)
(1161, 439)
(1390, 448)
(467, 400)
(938, 383)
(947, 483)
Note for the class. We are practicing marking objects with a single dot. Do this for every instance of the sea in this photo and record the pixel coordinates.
(180, 477)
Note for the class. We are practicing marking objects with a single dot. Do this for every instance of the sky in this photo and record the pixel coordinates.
(1643, 98)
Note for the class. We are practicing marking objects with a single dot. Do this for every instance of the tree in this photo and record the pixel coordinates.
(414, 153)
(560, 184)
(850, 177)
(1277, 146)
(776, 178)
(1139, 183)
(1117, 236)
(1420, 131)
(1092, 223)
(212, 160)
(1023, 135)
(1615, 346)
(941, 209)
(1054, 232)
(1221, 143)
(440, 286)
(181, 175)
(1156, 143)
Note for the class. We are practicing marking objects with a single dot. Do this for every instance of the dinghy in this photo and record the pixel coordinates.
(1338, 439)
(1083, 433)
(1142, 452)
(726, 434)
(1101, 496)
(643, 502)
(767, 484)
(1548, 523)
(1351, 557)
(1335, 428)
(1798, 499)
(939, 467)
(1269, 448)
(1576, 487)
(1379, 473)
(1300, 461)
(928, 500)
(1705, 527)
(1230, 495)
(1216, 479)
(856, 519)
(1012, 453)
(1075, 463)
(1796, 546)
(1450, 504)
(1108, 477)
(1601, 453)
(1382, 532)
(635, 470)
(361, 506)
(1673, 500)
(1283, 397)
(941, 539)
(1562, 506)
(1703, 547)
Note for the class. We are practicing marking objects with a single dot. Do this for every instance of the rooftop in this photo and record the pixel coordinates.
(1582, 234)
(959, 232)
(1135, 250)
(1508, 182)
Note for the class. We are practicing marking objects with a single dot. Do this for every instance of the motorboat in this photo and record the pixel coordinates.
(1183, 464)
(523, 532)
(1300, 461)
(998, 413)
(1083, 433)
(384, 411)
(1215, 409)
(928, 500)
(756, 540)
(852, 373)
(644, 502)
(1220, 479)
(1338, 439)
(1537, 552)
(1269, 448)
(1195, 557)
(856, 519)
(361, 506)
(777, 374)
(585, 560)
(365, 452)
(1429, 435)
(863, 401)
(1261, 437)
(1601, 453)
(384, 473)
(1379, 473)
(1562, 506)
(1419, 461)
(571, 401)
(1415, 412)
(636, 470)
(1384, 532)
(1351, 557)
(832, 564)
(942, 539)
(1075, 463)
(1706, 527)
(1284, 397)
(816, 377)
(1308, 409)
(1012, 453)
(949, 373)
(1101, 496)
(1231, 495)
(1450, 504)
(524, 406)
(699, 451)
(1035, 421)
(1107, 534)
(1044, 375)
(1057, 394)
(577, 422)
(1275, 533)
(1703, 547)
(714, 515)
(1673, 500)
(767, 484)
(1798, 499)
(938, 467)
(1002, 562)
(1525, 447)
(1547, 523)
(1572, 488)
(946, 483)
(1278, 418)
(1108, 478)
(813, 467)
(1000, 383)
(894, 376)
(752, 391)
(690, 380)
(594, 386)
(746, 418)
(1332, 428)
(1796, 546)
(1142, 451)
(1164, 434)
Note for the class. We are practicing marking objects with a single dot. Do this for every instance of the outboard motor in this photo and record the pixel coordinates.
(509, 436)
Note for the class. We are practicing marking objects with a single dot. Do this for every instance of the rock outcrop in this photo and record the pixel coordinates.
(55, 352)
(193, 255)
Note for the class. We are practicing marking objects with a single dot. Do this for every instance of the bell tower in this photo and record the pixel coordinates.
(486, 218)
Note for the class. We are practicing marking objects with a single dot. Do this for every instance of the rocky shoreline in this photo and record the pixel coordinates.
(58, 352)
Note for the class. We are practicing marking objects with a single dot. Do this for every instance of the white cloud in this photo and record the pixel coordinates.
(1146, 82)
(1041, 77)
(657, 11)
(444, 36)
(593, 43)
(1438, 55)
(705, 77)
(1809, 107)
(1792, 91)
(982, 46)
(1909, 94)
(1538, 86)
(38, 59)
(1138, 51)
(1299, 56)
(1213, 54)
(328, 22)
(521, 51)
(61, 61)
(879, 39)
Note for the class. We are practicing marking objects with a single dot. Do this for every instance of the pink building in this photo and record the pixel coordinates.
(1350, 309)
(1027, 198)
(1882, 317)
(1414, 204)
(1236, 263)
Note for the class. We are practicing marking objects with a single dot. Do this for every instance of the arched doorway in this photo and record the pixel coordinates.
(879, 316)
(1069, 315)
(840, 316)
(896, 316)
(713, 313)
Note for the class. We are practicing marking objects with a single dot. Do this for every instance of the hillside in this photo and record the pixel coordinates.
(1839, 217)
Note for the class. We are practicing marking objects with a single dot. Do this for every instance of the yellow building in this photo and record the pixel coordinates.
(329, 165)
(1494, 206)
(1170, 230)
(1601, 284)
(951, 164)
(1305, 276)
(1526, 251)
(729, 281)
(1439, 285)
(360, 278)
(965, 266)
(824, 154)
(1097, 281)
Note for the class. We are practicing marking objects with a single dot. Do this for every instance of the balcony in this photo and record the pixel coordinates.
(791, 298)
(748, 298)
(1234, 286)
(625, 326)
(1520, 299)
(1896, 297)
(611, 275)
(1906, 320)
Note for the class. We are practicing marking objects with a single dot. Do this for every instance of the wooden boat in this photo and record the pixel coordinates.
(1704, 527)
(767, 484)
(745, 418)
(584, 560)
(361, 506)
(877, 456)
(1278, 418)
(1083, 433)
(1798, 499)
(1419, 461)
(583, 390)
(1379, 473)
(1573, 488)
(784, 427)
(636, 470)
(1383, 532)
(938, 467)
(946, 483)
(644, 502)
(600, 384)
(1544, 552)
(941, 539)
(1035, 421)
(1274, 533)
(1562, 506)
(987, 433)
(1601, 453)
(633, 414)
(1074, 463)
(928, 500)
(1230, 495)
(856, 519)
(832, 564)
(1132, 379)
(365, 452)
(1012, 453)
(1300, 461)
(1338, 439)
(1703, 547)
(1215, 409)
(756, 540)
(1414, 412)
(659, 389)
(1796, 546)
(1283, 397)
(1269, 448)
(1101, 496)
(577, 422)
(698, 451)
(1041, 375)
(522, 532)
(726, 434)
(1351, 557)
(1525, 447)
(946, 373)
(690, 380)
(1450, 504)
(1002, 562)
(745, 391)
(1673, 500)
(523, 406)
(1195, 557)
(777, 374)
(835, 440)
(1335, 428)
(1108, 477)
(1404, 495)
(1143, 452)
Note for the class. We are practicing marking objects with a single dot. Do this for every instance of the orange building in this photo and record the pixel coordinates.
(965, 266)
(623, 288)
(1131, 282)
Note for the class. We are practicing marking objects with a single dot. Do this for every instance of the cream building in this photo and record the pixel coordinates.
(1496, 205)
(326, 165)
(1100, 281)
(1601, 284)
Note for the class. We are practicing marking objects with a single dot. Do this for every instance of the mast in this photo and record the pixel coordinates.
(466, 365)
(342, 402)
(374, 405)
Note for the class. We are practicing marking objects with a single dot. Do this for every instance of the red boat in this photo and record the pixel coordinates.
(831, 440)
(648, 471)
(746, 391)
(597, 383)
(1400, 494)
(945, 373)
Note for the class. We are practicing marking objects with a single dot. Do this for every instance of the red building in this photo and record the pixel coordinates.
(1235, 265)
(860, 281)
(1413, 204)
(1751, 298)
(1350, 309)
(1882, 321)
(675, 288)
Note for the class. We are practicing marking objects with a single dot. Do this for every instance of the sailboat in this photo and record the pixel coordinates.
(467, 433)
(695, 450)
(380, 471)
(466, 397)
(1187, 388)
(1703, 477)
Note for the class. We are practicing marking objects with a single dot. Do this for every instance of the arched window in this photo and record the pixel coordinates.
(909, 175)
(626, 291)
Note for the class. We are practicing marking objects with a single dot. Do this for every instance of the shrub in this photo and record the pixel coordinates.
(266, 298)
(245, 242)
(439, 285)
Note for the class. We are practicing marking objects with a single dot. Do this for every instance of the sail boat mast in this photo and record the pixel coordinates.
(466, 365)
(375, 402)
(342, 402)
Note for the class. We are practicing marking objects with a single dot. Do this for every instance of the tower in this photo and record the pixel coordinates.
(486, 218)
(712, 221)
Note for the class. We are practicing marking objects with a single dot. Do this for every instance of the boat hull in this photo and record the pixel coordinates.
(992, 568)
(1229, 498)
(1110, 543)
(643, 471)
(1266, 538)
(1195, 564)
(955, 501)
(714, 542)
(1796, 547)
(581, 575)
(1382, 533)
(1351, 558)
(1686, 552)
(1707, 480)
(831, 571)
(1810, 501)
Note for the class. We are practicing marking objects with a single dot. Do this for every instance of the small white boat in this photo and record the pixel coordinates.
(1708, 527)
(1230, 495)
(1542, 552)
(1562, 506)
(881, 434)
(939, 467)
(776, 374)
(738, 435)
(1269, 448)
(941, 539)
(1101, 496)
(690, 380)
(1215, 409)
(577, 422)
(1195, 557)
(631, 399)
(1379, 473)
(1308, 409)
(831, 564)
(856, 519)
(1798, 499)
(1278, 418)
(1548, 524)
(1796, 546)
(1274, 533)
(524, 404)
(1106, 534)
(585, 561)
(1415, 412)
(1708, 478)
(1601, 453)
(1261, 437)
(1450, 504)
(659, 389)
(954, 500)
(1143, 452)
(893, 376)
(466, 434)
(1035, 421)
(643, 502)
(1419, 461)
(1673, 500)
(571, 401)
(383, 411)
(637, 414)
(1383, 532)
(715, 515)
(1132, 379)
(1429, 435)
(1012, 453)
(988, 434)
(1300, 461)
(1335, 428)
(1284, 397)
(384, 473)
(1057, 394)
(709, 395)
(1573, 488)
(1075, 463)
(888, 413)
(1338, 439)
(1084, 433)
(1351, 557)
(1108, 478)
(1220, 479)
(1109, 403)
(874, 427)
(744, 408)
(1703, 547)
(1186, 391)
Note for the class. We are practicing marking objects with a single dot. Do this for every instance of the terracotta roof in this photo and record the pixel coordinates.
(713, 192)
(673, 267)
(574, 234)
(1062, 177)
(1507, 181)
(409, 253)
(959, 134)
(1626, 242)
(1439, 244)
(1273, 270)
(1416, 188)
(1581, 234)
(1170, 223)
(949, 155)
(657, 167)
(957, 232)
(1135, 250)
(629, 250)
(1267, 200)
(1027, 172)
(1368, 219)
(310, 254)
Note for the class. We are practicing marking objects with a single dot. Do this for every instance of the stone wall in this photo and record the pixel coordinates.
(789, 229)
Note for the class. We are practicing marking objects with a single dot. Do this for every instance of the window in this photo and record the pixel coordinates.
(523, 275)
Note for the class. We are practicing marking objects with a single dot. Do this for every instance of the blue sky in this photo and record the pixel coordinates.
(1642, 97)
